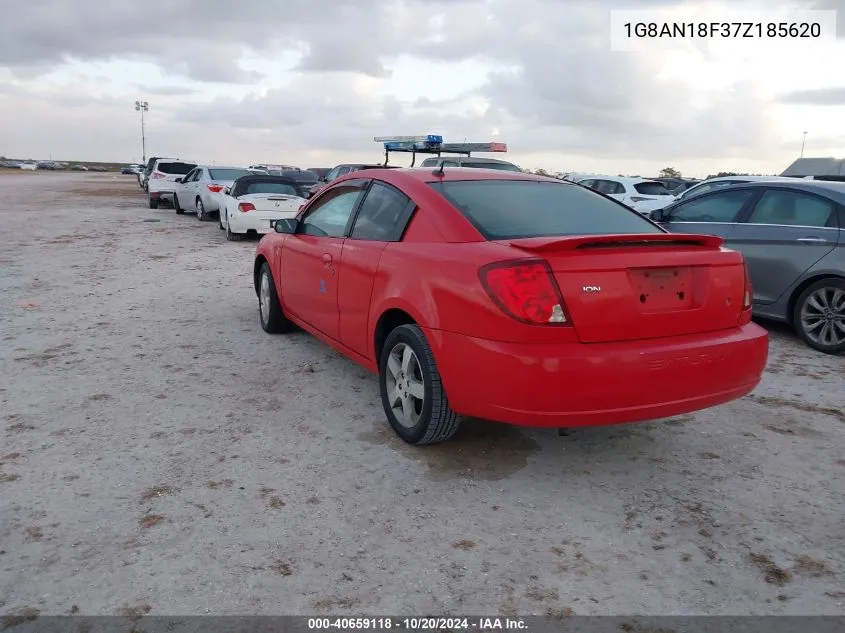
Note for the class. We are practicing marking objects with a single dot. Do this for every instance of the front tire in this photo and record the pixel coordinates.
(411, 390)
(273, 319)
(819, 316)
(202, 216)
(179, 209)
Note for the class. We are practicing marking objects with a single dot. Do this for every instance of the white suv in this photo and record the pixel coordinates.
(161, 183)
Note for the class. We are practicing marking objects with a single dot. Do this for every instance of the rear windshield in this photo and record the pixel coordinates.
(175, 168)
(652, 189)
(271, 187)
(228, 174)
(512, 209)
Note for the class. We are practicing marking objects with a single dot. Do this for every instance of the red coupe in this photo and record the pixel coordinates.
(511, 297)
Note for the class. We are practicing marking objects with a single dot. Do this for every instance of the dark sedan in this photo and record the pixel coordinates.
(793, 238)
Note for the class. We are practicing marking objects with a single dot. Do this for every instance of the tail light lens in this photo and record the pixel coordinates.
(214, 188)
(243, 207)
(749, 291)
(157, 174)
(526, 291)
(639, 199)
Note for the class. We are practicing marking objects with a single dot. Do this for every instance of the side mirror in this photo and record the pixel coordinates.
(287, 226)
(658, 215)
(178, 180)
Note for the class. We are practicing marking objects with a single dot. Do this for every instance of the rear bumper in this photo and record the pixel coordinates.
(258, 221)
(576, 384)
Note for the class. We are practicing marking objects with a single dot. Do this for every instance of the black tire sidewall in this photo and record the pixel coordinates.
(200, 210)
(409, 335)
(796, 315)
(176, 204)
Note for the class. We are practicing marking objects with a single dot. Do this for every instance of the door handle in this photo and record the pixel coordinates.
(327, 259)
(812, 240)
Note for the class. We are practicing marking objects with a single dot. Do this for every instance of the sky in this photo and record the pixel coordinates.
(311, 83)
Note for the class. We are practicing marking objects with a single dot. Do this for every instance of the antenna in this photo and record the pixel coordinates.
(439, 171)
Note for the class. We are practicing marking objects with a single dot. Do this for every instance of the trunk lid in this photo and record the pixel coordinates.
(273, 206)
(629, 287)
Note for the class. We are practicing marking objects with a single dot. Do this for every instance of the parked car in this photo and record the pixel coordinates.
(341, 170)
(162, 181)
(302, 177)
(253, 204)
(144, 175)
(129, 169)
(199, 189)
(46, 164)
(28, 166)
(793, 237)
(469, 161)
(640, 194)
(79, 168)
(9, 164)
(711, 184)
(583, 312)
(320, 171)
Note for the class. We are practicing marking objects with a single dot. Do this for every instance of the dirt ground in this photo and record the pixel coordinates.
(160, 453)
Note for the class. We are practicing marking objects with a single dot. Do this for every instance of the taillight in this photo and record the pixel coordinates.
(158, 174)
(525, 290)
(243, 207)
(749, 291)
(214, 188)
(639, 199)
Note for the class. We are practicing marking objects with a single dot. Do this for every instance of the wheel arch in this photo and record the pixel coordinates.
(801, 287)
(388, 320)
(260, 260)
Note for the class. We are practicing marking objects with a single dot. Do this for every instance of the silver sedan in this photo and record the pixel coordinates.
(199, 189)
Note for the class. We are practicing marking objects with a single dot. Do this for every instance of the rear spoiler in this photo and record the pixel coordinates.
(557, 244)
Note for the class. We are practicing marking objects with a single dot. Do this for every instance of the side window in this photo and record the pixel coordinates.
(197, 175)
(382, 215)
(452, 163)
(791, 208)
(188, 177)
(588, 183)
(608, 187)
(722, 206)
(332, 174)
(615, 187)
(331, 213)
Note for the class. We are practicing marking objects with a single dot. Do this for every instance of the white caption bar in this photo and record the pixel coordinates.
(686, 27)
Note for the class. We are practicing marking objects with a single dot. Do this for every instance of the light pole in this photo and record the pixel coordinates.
(803, 140)
(143, 106)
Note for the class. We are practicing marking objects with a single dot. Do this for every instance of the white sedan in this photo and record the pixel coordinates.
(253, 204)
(640, 194)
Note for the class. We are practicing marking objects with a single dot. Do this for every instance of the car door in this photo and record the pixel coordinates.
(183, 187)
(382, 218)
(711, 213)
(782, 236)
(311, 257)
(191, 190)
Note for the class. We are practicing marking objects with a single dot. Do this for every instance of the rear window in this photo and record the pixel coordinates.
(652, 189)
(512, 209)
(271, 187)
(228, 174)
(175, 168)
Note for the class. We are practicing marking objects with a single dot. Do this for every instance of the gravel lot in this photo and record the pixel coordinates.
(160, 453)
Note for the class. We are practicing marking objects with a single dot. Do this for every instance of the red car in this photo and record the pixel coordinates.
(511, 297)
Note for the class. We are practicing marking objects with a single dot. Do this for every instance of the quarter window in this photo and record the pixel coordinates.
(382, 215)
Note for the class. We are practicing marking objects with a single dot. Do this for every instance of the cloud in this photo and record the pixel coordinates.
(544, 77)
(820, 96)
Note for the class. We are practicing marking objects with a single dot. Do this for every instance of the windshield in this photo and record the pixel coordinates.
(228, 174)
(512, 209)
(271, 187)
(499, 166)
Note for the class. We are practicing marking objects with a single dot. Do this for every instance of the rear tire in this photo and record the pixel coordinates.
(820, 310)
(202, 216)
(406, 370)
(179, 209)
(153, 203)
(230, 236)
(273, 319)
